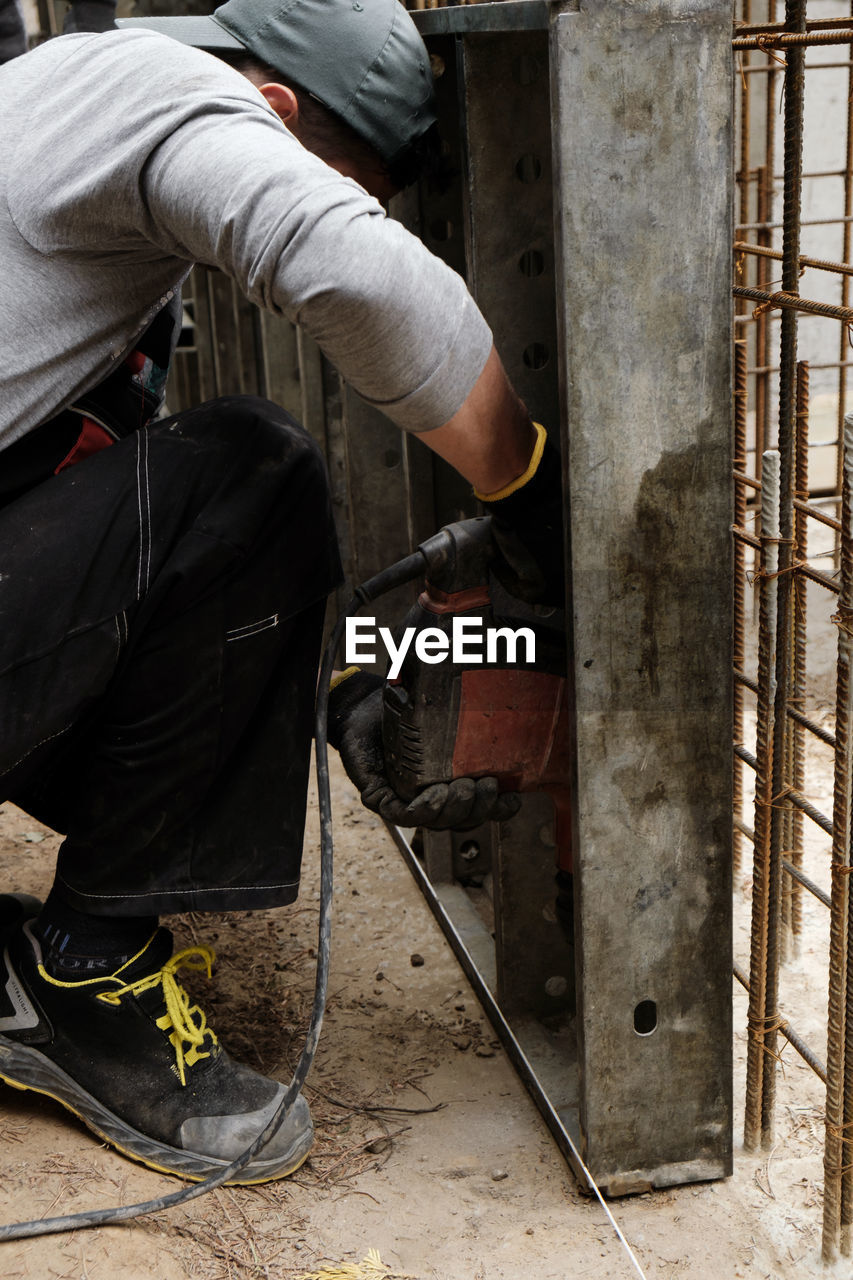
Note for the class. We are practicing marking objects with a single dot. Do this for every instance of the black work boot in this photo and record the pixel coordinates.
(136, 1061)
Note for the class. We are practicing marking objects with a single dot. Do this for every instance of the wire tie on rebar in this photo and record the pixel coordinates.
(843, 868)
(763, 43)
(776, 802)
(843, 618)
(758, 1028)
(840, 1131)
(774, 1022)
(763, 576)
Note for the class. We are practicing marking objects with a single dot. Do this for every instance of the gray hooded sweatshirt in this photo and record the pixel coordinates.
(127, 157)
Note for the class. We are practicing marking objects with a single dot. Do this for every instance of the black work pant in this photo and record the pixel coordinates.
(161, 610)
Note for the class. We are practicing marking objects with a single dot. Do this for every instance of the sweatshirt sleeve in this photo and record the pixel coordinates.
(234, 189)
(167, 156)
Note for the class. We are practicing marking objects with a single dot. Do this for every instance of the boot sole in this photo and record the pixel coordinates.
(25, 1068)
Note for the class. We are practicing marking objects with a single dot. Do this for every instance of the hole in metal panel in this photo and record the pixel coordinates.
(556, 986)
(536, 356)
(531, 263)
(528, 168)
(645, 1017)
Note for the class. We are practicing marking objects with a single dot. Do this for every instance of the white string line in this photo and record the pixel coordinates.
(614, 1224)
(590, 1179)
(593, 1185)
(496, 1016)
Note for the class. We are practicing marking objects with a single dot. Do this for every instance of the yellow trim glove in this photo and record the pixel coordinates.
(527, 524)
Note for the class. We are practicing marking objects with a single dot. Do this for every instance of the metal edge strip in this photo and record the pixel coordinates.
(502, 1028)
(501, 15)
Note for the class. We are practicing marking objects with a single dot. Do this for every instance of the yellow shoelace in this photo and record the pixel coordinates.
(187, 1022)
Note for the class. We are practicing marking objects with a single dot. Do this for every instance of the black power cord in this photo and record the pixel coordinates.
(404, 571)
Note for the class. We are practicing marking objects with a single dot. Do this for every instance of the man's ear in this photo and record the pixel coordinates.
(282, 100)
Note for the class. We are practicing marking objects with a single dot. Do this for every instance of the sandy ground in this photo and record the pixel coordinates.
(428, 1148)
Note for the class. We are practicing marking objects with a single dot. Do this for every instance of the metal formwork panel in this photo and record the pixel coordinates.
(630, 263)
(642, 97)
(508, 185)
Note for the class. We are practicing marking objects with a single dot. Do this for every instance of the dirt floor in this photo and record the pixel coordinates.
(428, 1148)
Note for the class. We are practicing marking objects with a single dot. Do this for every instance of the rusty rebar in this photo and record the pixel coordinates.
(770, 110)
(796, 1041)
(744, 28)
(762, 328)
(846, 1191)
(806, 222)
(748, 538)
(814, 575)
(798, 681)
(792, 796)
(810, 810)
(790, 301)
(822, 579)
(813, 727)
(795, 17)
(768, 589)
(834, 1158)
(810, 66)
(813, 364)
(743, 178)
(739, 627)
(846, 1177)
(845, 286)
(793, 40)
(819, 264)
(803, 880)
(847, 1087)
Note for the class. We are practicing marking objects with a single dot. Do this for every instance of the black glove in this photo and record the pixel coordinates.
(355, 729)
(527, 525)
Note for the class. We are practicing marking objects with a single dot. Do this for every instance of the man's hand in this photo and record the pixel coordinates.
(355, 729)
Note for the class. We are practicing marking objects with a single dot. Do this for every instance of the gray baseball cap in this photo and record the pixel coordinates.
(363, 59)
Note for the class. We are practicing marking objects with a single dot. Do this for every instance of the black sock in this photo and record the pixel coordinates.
(78, 946)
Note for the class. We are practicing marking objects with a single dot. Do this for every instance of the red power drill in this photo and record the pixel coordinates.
(455, 712)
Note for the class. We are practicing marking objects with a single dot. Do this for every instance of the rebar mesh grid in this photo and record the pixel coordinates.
(792, 292)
